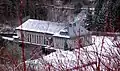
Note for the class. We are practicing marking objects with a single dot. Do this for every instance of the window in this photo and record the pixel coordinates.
(65, 45)
(33, 38)
(37, 39)
(50, 40)
(40, 39)
(46, 41)
(64, 33)
(81, 30)
(30, 38)
(74, 24)
(70, 25)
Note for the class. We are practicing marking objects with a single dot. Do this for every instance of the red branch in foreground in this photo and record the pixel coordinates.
(84, 65)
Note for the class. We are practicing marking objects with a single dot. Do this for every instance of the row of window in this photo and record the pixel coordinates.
(35, 38)
(39, 39)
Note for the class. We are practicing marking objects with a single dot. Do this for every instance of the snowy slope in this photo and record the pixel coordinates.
(101, 49)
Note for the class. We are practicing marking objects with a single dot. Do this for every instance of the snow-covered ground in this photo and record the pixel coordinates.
(86, 58)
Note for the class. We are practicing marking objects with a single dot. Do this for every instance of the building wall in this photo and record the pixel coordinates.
(72, 43)
(59, 43)
(35, 38)
(18, 34)
(88, 40)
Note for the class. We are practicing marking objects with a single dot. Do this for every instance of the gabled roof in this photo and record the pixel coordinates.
(54, 28)
(41, 26)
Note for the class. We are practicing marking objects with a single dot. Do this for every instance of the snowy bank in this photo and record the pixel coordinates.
(87, 58)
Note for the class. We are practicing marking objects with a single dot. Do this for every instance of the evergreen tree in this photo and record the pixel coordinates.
(107, 15)
(98, 18)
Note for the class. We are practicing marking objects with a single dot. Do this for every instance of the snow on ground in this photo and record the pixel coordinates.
(7, 38)
(102, 48)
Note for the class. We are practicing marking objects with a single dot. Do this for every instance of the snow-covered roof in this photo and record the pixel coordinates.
(15, 36)
(59, 35)
(8, 38)
(53, 28)
(41, 26)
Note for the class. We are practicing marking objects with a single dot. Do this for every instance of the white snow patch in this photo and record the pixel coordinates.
(8, 38)
(69, 59)
(15, 36)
